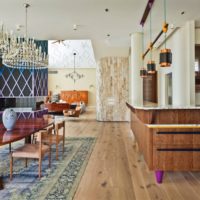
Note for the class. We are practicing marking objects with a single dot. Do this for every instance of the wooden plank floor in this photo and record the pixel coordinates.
(116, 170)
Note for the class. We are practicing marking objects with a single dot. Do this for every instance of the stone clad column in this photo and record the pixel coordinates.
(183, 83)
(136, 93)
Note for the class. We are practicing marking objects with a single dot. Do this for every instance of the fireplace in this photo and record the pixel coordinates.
(7, 103)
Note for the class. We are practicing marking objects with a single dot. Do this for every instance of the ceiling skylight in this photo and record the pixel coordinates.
(61, 54)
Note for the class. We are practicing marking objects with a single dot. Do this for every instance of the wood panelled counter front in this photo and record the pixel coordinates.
(169, 139)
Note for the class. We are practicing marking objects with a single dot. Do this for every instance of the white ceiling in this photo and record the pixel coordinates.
(54, 19)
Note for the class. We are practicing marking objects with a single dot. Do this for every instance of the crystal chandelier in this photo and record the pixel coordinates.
(4, 41)
(23, 52)
(74, 75)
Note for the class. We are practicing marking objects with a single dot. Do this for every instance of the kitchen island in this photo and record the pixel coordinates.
(168, 137)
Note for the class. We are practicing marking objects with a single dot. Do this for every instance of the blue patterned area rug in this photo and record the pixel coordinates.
(57, 183)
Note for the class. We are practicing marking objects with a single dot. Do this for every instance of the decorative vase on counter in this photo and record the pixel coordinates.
(9, 118)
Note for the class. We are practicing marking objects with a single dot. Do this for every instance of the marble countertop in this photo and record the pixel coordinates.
(159, 107)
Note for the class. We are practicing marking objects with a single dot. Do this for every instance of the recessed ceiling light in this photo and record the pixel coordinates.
(18, 27)
(183, 12)
(106, 10)
(108, 35)
(75, 27)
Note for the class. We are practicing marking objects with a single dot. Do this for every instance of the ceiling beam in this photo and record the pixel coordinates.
(146, 12)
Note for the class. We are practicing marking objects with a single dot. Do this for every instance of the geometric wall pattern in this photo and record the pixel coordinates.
(23, 82)
(40, 82)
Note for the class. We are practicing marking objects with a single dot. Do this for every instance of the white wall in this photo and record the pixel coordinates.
(58, 82)
(183, 61)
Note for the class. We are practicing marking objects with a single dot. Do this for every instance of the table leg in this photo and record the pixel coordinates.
(159, 176)
(10, 147)
(1, 179)
(28, 140)
(1, 183)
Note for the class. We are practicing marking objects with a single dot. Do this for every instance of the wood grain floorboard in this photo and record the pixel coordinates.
(116, 170)
(170, 188)
(186, 190)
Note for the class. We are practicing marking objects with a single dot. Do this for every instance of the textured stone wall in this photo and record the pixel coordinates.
(112, 89)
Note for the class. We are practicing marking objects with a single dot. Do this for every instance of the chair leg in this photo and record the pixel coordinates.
(33, 138)
(10, 147)
(11, 166)
(50, 156)
(56, 151)
(26, 162)
(63, 147)
(39, 168)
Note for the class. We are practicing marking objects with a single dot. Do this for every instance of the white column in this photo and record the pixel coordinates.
(190, 28)
(183, 67)
(136, 64)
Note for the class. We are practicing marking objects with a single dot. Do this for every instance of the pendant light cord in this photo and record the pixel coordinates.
(74, 61)
(165, 19)
(150, 36)
(26, 20)
(142, 45)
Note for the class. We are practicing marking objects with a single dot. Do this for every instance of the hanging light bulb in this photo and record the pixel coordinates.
(165, 54)
(151, 66)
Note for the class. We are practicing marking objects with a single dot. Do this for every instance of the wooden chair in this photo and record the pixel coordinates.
(57, 137)
(32, 151)
(45, 117)
(48, 116)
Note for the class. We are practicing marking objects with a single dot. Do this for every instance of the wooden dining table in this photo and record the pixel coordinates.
(24, 128)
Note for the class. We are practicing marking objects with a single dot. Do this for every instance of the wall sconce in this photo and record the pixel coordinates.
(91, 87)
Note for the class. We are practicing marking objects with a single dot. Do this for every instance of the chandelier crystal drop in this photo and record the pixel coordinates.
(74, 75)
(23, 52)
(4, 39)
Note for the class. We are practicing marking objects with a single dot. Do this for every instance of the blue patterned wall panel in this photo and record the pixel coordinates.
(23, 82)
(41, 82)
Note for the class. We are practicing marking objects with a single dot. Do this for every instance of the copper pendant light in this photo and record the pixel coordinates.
(165, 54)
(151, 67)
(165, 57)
(143, 73)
